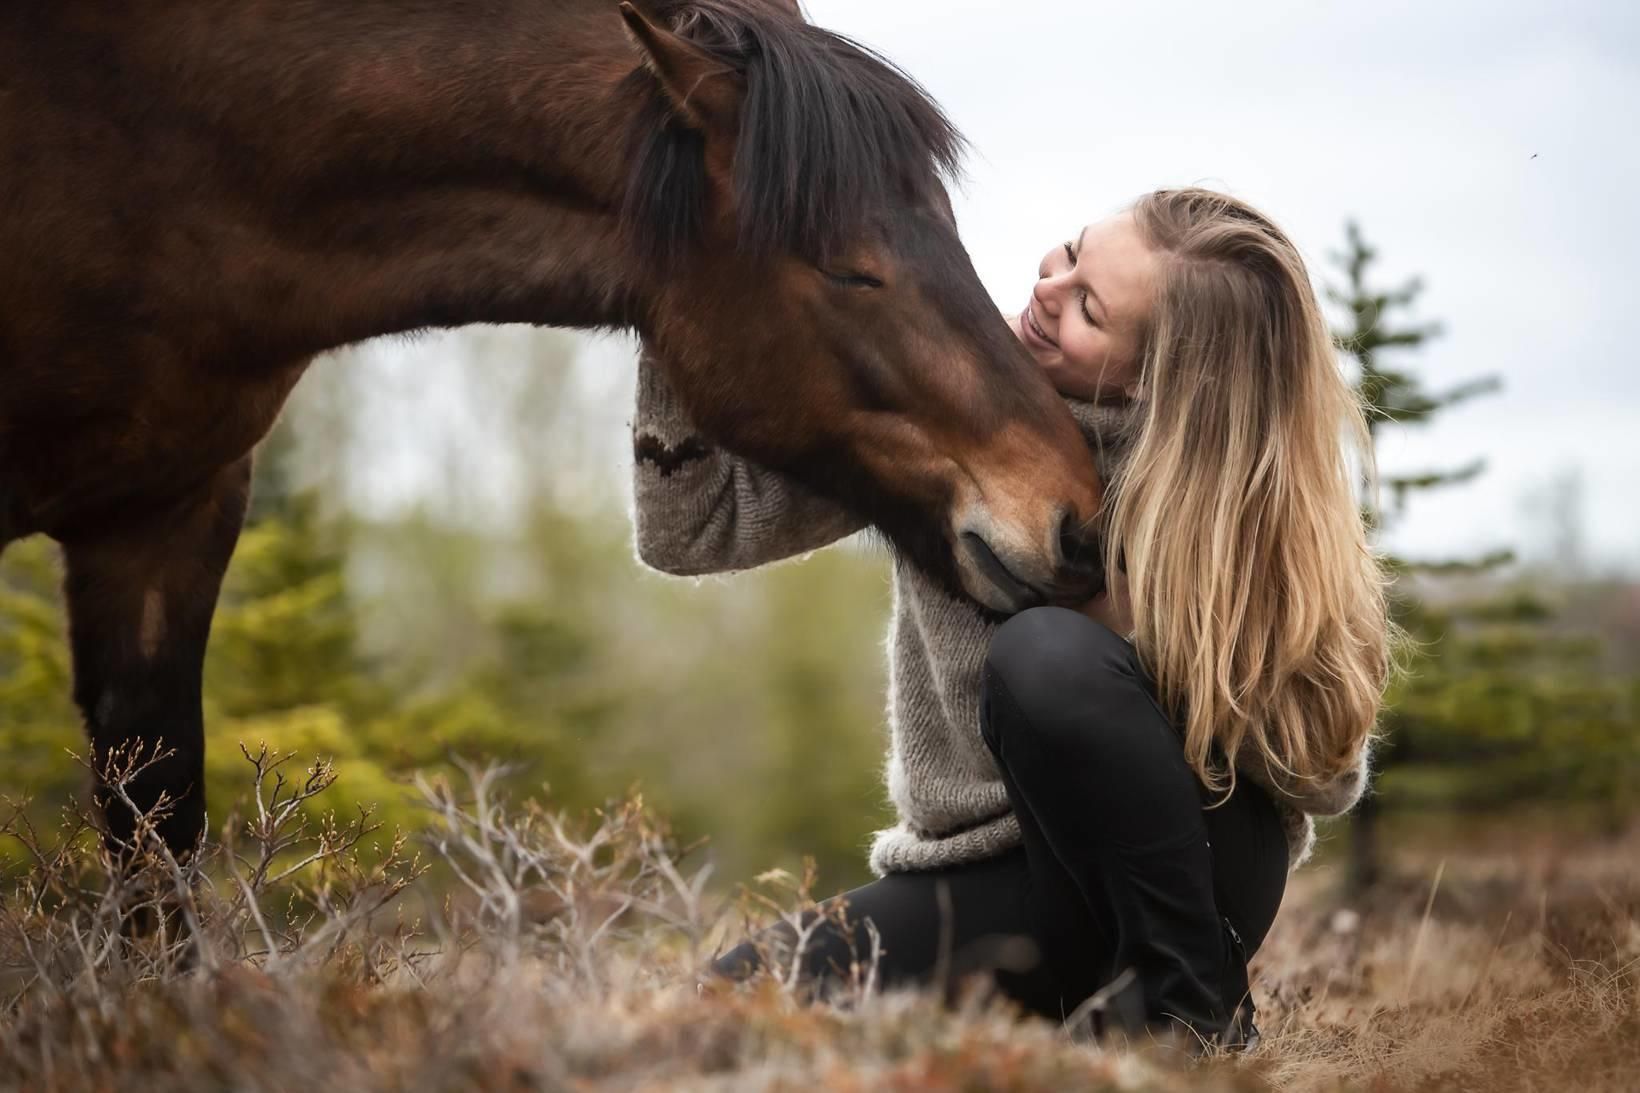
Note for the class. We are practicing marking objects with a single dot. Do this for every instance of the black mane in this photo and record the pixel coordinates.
(829, 133)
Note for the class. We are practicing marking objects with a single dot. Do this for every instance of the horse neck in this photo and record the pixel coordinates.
(410, 165)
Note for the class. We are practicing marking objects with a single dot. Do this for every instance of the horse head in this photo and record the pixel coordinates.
(818, 312)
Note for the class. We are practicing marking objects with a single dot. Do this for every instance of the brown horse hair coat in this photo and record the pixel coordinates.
(199, 196)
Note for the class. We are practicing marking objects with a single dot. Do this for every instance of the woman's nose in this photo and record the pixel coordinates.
(1046, 293)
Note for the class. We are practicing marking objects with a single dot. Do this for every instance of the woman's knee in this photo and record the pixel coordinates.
(1051, 658)
(1050, 647)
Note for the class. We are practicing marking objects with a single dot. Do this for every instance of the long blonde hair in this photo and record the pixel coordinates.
(1258, 604)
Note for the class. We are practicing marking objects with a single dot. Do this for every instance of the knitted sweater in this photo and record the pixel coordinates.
(700, 509)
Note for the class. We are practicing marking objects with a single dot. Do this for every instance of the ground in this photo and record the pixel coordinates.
(526, 951)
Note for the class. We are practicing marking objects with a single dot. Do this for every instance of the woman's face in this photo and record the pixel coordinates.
(1086, 317)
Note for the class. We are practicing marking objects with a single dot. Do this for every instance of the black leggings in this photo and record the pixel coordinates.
(1120, 865)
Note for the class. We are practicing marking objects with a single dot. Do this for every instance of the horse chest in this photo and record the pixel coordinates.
(137, 443)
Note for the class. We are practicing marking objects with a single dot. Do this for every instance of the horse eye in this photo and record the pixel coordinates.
(852, 280)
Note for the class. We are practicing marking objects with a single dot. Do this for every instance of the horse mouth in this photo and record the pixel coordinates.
(1021, 594)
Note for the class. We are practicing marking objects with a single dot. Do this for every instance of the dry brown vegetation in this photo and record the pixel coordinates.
(301, 953)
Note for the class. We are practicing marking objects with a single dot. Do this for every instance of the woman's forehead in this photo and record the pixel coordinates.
(1119, 267)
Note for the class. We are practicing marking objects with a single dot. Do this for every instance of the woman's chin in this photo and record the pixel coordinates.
(1049, 362)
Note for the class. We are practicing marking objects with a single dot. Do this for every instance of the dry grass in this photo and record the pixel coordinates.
(1513, 968)
(289, 958)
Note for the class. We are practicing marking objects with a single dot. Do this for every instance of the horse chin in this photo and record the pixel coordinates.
(963, 575)
(974, 559)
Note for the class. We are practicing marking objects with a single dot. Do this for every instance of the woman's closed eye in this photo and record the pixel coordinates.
(1081, 293)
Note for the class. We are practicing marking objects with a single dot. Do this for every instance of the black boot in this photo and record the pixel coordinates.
(1115, 1015)
(1239, 1033)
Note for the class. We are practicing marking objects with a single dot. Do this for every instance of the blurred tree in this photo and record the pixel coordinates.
(1497, 706)
(1392, 397)
(38, 721)
(451, 571)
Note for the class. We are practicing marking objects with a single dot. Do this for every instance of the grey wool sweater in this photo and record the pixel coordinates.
(700, 509)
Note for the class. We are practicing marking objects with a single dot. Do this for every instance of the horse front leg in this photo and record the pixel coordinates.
(140, 599)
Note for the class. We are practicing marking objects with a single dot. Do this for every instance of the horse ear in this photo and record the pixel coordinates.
(705, 92)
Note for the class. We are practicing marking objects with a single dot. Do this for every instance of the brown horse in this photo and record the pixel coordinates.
(198, 196)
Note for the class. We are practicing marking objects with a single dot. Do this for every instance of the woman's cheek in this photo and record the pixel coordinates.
(1082, 353)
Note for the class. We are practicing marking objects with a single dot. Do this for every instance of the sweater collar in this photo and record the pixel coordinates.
(1106, 424)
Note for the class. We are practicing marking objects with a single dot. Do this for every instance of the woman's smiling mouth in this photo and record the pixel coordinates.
(1036, 328)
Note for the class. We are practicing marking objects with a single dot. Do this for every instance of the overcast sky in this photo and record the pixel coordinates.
(1419, 119)
(1489, 147)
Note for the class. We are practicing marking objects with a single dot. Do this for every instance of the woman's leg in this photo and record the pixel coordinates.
(1249, 861)
(1115, 835)
(934, 928)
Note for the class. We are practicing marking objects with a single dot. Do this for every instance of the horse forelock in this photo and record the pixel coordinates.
(830, 133)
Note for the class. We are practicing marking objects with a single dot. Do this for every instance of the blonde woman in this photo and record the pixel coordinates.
(1121, 785)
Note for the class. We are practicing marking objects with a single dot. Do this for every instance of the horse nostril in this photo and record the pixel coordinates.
(1082, 552)
(1078, 545)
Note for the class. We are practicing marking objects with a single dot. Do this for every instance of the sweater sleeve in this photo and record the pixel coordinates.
(699, 509)
(1330, 798)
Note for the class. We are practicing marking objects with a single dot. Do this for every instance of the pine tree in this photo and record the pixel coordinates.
(1393, 396)
(1499, 705)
